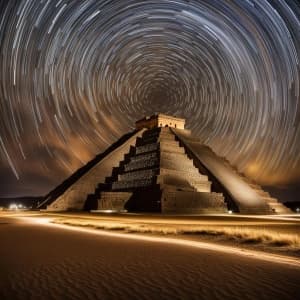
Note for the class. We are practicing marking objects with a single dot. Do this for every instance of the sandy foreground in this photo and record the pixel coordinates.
(51, 262)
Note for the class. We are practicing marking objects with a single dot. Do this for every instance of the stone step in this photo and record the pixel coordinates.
(167, 135)
(143, 157)
(169, 146)
(144, 164)
(143, 142)
(202, 186)
(142, 174)
(129, 184)
(173, 165)
(184, 165)
(191, 175)
(176, 156)
(153, 139)
(166, 147)
(174, 144)
(167, 138)
(151, 132)
(147, 148)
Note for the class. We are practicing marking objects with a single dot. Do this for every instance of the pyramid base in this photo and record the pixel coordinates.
(162, 201)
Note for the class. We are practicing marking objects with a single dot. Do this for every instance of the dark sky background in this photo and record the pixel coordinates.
(75, 75)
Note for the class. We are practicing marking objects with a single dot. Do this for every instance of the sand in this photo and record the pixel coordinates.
(43, 262)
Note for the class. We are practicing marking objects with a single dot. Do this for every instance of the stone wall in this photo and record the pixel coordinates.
(174, 201)
(168, 121)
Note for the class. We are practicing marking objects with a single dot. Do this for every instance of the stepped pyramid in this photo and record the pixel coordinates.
(161, 167)
(158, 176)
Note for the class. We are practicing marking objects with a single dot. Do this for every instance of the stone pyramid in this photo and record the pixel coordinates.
(161, 167)
(158, 176)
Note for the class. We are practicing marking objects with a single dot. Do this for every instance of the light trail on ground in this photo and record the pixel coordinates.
(268, 257)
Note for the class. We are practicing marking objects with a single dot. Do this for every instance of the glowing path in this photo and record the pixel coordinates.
(273, 258)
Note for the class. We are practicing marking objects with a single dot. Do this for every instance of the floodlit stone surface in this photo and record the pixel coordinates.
(160, 120)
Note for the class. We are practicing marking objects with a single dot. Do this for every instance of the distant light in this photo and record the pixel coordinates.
(230, 211)
(297, 209)
(109, 211)
(20, 206)
(13, 206)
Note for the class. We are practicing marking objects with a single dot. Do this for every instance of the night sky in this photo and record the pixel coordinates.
(76, 75)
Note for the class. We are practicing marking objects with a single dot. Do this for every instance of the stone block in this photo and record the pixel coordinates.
(113, 200)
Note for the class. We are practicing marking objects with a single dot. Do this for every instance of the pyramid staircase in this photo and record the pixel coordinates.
(157, 176)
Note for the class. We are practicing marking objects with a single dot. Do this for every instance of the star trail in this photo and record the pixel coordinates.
(76, 75)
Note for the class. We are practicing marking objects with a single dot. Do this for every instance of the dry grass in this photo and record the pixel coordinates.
(238, 234)
(249, 235)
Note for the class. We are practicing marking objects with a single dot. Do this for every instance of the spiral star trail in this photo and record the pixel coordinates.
(75, 75)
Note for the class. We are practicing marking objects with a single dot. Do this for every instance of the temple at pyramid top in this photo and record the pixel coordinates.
(160, 120)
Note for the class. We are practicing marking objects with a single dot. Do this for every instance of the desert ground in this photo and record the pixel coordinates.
(40, 259)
